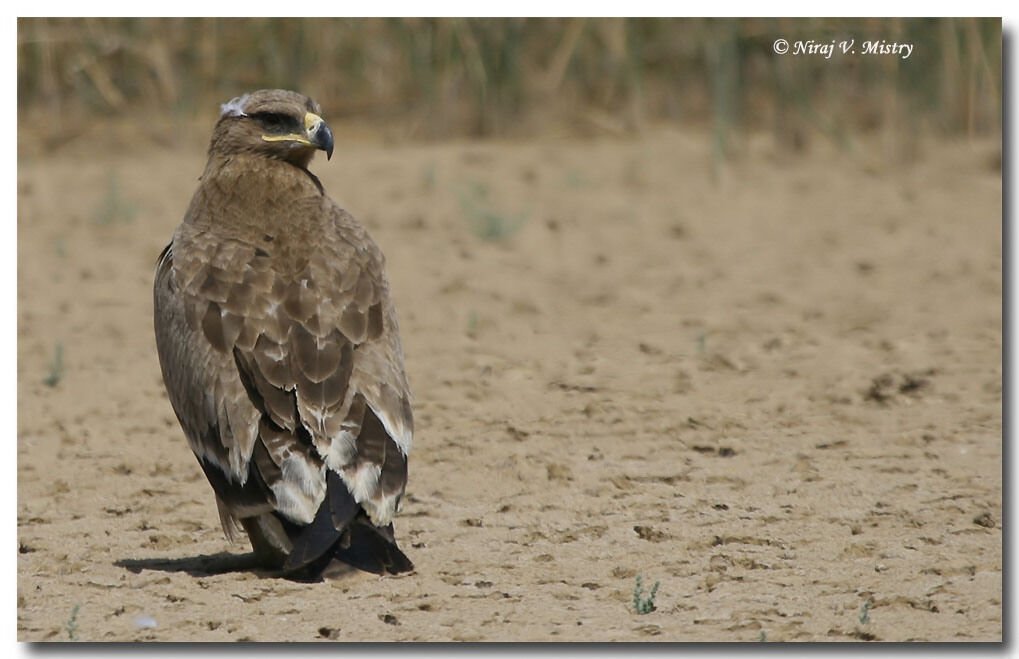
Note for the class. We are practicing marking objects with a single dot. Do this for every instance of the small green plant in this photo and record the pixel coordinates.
(114, 208)
(641, 604)
(763, 638)
(56, 367)
(487, 223)
(575, 179)
(71, 626)
(865, 611)
(428, 177)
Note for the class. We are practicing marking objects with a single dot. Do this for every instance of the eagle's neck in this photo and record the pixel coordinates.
(260, 170)
(252, 192)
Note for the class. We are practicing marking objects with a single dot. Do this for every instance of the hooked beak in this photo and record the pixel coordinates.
(318, 133)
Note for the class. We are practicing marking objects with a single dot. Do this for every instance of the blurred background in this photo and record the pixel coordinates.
(429, 79)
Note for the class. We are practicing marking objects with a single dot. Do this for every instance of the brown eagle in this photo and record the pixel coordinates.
(280, 349)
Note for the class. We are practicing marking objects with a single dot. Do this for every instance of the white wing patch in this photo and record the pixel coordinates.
(338, 452)
(381, 512)
(301, 490)
(396, 429)
(362, 481)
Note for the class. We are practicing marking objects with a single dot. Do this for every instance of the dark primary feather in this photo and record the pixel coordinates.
(281, 353)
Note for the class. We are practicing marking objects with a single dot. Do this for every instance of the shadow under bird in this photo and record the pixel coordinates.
(280, 349)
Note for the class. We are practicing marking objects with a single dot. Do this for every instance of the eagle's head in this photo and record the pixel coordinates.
(274, 123)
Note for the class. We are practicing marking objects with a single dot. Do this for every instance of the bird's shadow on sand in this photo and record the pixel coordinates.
(203, 565)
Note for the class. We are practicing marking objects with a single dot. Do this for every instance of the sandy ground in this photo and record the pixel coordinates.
(774, 388)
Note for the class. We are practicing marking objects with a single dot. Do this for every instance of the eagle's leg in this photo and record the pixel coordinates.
(268, 539)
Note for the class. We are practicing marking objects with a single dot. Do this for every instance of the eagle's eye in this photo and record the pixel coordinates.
(274, 122)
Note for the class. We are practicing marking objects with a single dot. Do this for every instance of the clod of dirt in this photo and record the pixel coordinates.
(328, 632)
(721, 451)
(650, 534)
(712, 579)
(621, 482)
(161, 541)
(719, 362)
(985, 520)
(719, 563)
(912, 384)
(581, 388)
(558, 472)
(887, 386)
(516, 433)
(881, 389)
(389, 619)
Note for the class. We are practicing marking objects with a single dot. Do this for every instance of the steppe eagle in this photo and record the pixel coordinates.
(280, 350)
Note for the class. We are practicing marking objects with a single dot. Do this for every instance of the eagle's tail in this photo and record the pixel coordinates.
(341, 531)
(371, 548)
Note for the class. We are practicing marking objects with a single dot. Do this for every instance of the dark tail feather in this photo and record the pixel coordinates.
(311, 541)
(341, 530)
(315, 540)
(366, 548)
